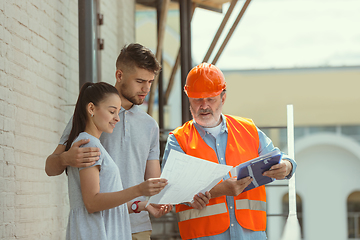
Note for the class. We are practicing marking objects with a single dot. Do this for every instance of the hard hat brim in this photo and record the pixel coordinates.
(202, 94)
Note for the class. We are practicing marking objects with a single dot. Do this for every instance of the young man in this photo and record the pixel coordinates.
(134, 143)
(228, 140)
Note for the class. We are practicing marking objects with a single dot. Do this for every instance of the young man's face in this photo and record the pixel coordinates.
(207, 111)
(134, 85)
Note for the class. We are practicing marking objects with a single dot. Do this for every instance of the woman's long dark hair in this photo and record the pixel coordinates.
(89, 92)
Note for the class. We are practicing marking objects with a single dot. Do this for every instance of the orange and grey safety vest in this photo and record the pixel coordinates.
(250, 206)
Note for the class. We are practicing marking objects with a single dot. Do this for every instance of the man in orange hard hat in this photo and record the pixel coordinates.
(224, 139)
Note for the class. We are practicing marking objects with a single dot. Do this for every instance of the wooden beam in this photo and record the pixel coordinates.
(160, 41)
(226, 40)
(172, 77)
(175, 67)
(185, 41)
(219, 31)
(215, 5)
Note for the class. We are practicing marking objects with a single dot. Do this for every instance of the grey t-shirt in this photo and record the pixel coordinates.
(134, 141)
(107, 224)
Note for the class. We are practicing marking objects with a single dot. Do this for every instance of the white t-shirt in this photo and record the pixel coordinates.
(214, 130)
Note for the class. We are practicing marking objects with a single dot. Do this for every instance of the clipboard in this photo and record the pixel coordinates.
(256, 167)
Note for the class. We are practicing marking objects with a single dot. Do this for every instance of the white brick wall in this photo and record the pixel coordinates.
(118, 30)
(38, 79)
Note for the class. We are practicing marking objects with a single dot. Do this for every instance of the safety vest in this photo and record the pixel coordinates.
(250, 206)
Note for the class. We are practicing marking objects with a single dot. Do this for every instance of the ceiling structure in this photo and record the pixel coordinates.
(184, 60)
(213, 5)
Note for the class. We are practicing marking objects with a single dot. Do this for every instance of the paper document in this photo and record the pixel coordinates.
(256, 167)
(186, 177)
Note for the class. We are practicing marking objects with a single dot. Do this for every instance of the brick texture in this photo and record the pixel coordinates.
(39, 83)
(118, 30)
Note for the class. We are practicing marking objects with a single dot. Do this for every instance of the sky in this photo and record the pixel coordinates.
(283, 34)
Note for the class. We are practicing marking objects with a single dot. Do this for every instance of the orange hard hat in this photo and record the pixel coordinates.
(203, 81)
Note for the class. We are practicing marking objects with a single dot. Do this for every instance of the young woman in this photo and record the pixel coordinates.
(97, 198)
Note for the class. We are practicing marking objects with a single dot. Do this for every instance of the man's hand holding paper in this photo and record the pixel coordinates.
(184, 181)
(230, 187)
(200, 200)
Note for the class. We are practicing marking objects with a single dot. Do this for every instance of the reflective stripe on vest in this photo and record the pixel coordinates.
(250, 204)
(205, 212)
(242, 145)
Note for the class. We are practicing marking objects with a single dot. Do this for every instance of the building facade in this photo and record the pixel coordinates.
(39, 84)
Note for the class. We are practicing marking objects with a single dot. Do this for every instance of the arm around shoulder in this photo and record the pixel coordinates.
(55, 162)
(76, 156)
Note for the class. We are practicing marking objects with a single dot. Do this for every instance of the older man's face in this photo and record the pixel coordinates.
(207, 111)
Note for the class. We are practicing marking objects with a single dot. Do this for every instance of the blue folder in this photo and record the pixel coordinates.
(256, 167)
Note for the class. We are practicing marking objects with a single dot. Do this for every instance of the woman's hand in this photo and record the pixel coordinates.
(152, 186)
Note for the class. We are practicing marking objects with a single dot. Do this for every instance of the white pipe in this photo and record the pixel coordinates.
(292, 227)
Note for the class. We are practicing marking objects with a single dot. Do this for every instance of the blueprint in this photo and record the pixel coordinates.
(186, 177)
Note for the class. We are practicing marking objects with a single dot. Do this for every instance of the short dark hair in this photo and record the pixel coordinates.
(135, 54)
